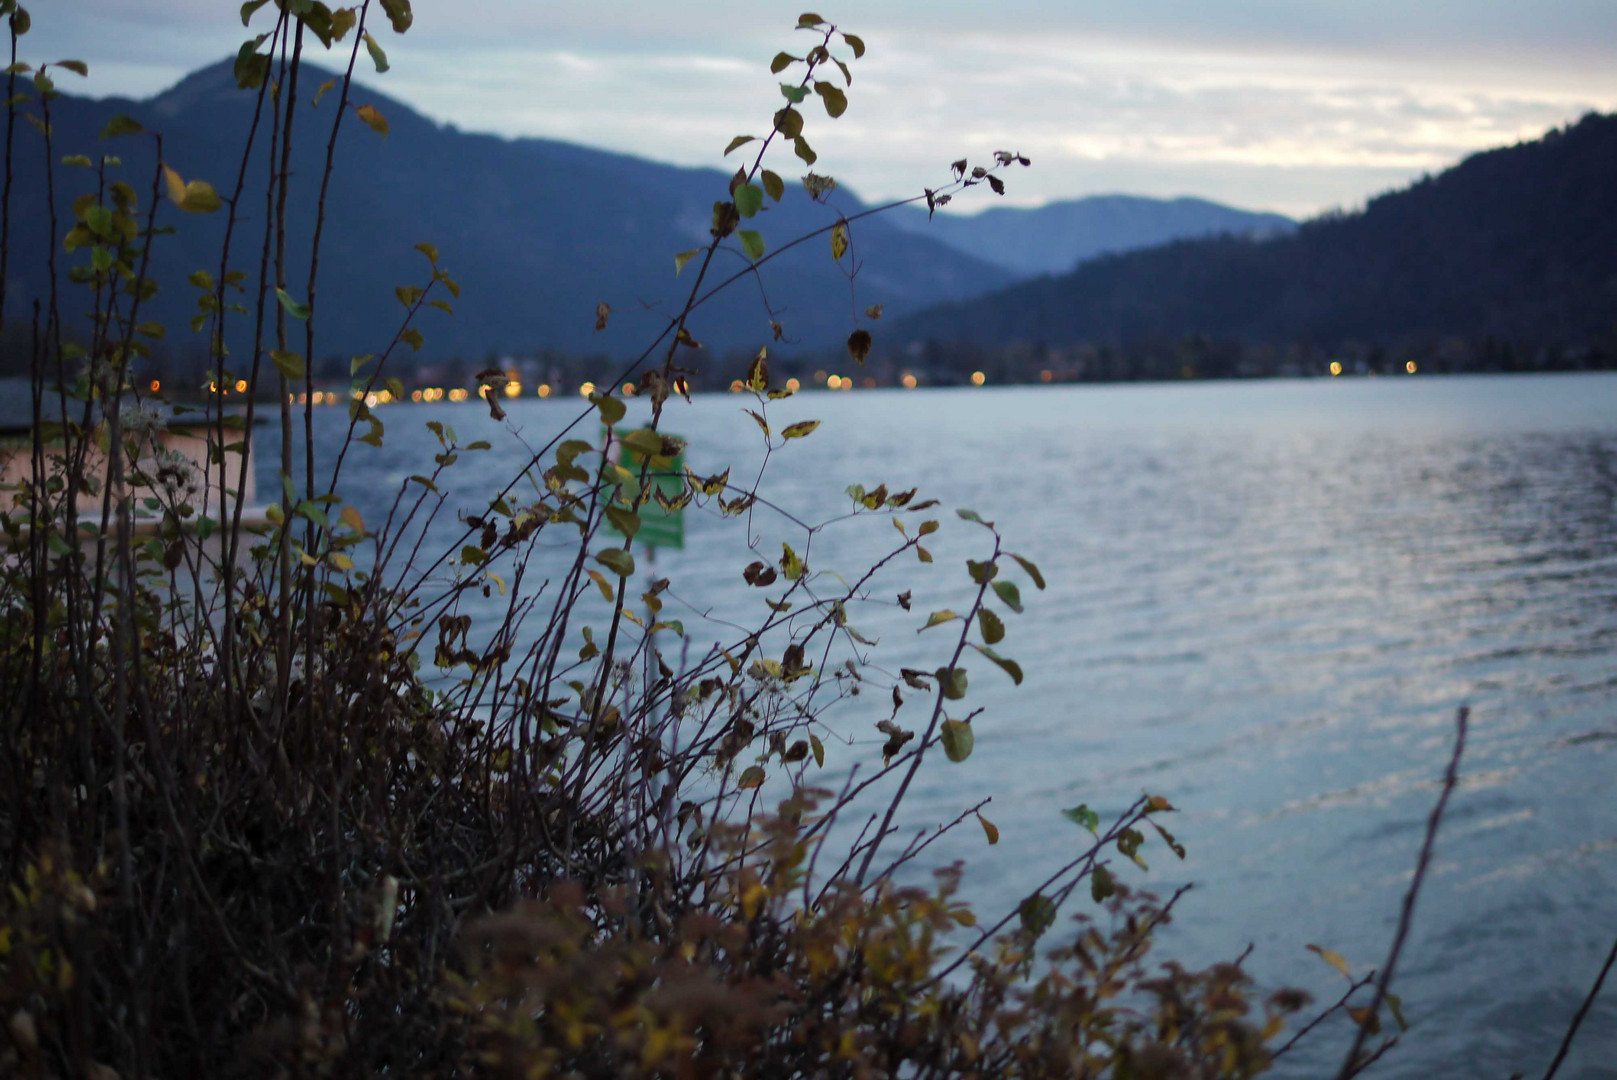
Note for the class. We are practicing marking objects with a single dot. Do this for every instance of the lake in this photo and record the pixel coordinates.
(1266, 601)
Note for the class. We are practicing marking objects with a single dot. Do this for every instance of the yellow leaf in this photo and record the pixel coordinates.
(341, 561)
(601, 583)
(839, 240)
(350, 517)
(374, 119)
(176, 186)
(200, 198)
(1333, 958)
(989, 829)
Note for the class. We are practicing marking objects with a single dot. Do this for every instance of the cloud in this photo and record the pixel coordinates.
(1289, 106)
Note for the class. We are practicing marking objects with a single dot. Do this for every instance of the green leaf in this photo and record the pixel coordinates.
(818, 750)
(749, 199)
(1038, 914)
(958, 740)
(293, 307)
(429, 250)
(399, 14)
(1010, 667)
(808, 18)
(626, 522)
(378, 57)
(801, 147)
(781, 62)
(617, 560)
(1101, 884)
(972, 515)
(645, 442)
(774, 185)
(251, 66)
(953, 681)
(839, 240)
(751, 777)
(684, 257)
(938, 618)
(249, 7)
(611, 408)
(471, 555)
(1082, 816)
(82, 160)
(993, 629)
(752, 242)
(794, 94)
(1032, 571)
(799, 429)
(790, 564)
(982, 572)
(1009, 593)
(990, 830)
(289, 364)
(77, 67)
(1396, 1004)
(739, 140)
(21, 23)
(857, 44)
(358, 362)
(836, 102)
(121, 124)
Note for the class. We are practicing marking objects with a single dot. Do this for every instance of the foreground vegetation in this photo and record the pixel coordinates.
(274, 804)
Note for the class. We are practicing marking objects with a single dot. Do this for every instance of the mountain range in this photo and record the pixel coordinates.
(1056, 237)
(1514, 247)
(537, 231)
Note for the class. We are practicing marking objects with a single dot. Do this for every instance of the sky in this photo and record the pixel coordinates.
(1297, 106)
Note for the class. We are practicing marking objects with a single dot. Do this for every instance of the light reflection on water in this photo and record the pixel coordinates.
(1265, 601)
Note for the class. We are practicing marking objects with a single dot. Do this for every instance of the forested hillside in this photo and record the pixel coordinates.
(1517, 246)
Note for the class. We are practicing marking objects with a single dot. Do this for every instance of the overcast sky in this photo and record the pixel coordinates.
(1289, 105)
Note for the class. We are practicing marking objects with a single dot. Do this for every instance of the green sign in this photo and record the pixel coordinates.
(659, 526)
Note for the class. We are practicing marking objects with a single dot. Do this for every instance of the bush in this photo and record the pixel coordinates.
(276, 804)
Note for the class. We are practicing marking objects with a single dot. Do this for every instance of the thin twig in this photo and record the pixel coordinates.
(1583, 1010)
(1351, 1065)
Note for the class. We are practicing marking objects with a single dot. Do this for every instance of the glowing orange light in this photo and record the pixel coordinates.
(156, 386)
(628, 389)
(1336, 367)
(241, 386)
(585, 389)
(978, 378)
(1046, 375)
(415, 395)
(513, 389)
(736, 386)
(544, 389)
(793, 385)
(910, 382)
(1409, 367)
(833, 382)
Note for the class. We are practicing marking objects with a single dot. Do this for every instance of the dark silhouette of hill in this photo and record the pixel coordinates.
(1054, 238)
(537, 232)
(1515, 245)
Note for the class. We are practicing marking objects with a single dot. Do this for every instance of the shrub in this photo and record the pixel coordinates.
(276, 804)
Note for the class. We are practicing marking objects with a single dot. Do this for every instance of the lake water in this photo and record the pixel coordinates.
(1266, 601)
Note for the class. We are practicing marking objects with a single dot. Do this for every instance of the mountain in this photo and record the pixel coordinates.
(1056, 237)
(535, 231)
(1515, 245)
